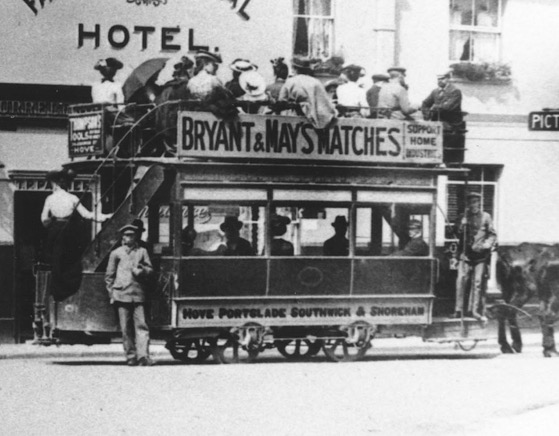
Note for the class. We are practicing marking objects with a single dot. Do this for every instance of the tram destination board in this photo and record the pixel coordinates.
(201, 134)
(544, 121)
(85, 134)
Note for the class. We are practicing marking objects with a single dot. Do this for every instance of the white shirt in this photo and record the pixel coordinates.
(61, 204)
(107, 92)
(351, 94)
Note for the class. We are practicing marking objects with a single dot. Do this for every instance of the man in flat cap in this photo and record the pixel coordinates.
(393, 97)
(379, 80)
(444, 103)
(128, 271)
(416, 246)
(205, 82)
(477, 239)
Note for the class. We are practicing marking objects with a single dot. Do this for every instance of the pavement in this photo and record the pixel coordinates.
(407, 345)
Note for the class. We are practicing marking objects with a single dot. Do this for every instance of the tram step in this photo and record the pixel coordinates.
(149, 180)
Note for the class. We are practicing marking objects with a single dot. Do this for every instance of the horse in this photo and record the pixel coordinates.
(525, 271)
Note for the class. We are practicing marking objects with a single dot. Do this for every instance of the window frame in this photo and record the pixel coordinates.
(477, 30)
(331, 18)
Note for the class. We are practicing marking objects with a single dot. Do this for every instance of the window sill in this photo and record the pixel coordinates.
(495, 82)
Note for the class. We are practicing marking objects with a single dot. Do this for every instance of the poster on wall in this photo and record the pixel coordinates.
(85, 134)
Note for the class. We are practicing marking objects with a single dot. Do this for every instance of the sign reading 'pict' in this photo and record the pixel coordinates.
(200, 134)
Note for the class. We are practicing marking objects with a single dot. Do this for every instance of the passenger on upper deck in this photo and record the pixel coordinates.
(254, 88)
(379, 80)
(107, 90)
(234, 245)
(278, 228)
(281, 72)
(204, 82)
(238, 67)
(444, 104)
(309, 93)
(338, 245)
(350, 94)
(416, 246)
(394, 96)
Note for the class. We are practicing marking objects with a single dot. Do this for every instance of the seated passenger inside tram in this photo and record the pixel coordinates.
(338, 245)
(278, 228)
(234, 244)
(416, 246)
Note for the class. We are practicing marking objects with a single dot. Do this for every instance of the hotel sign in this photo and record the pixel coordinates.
(202, 135)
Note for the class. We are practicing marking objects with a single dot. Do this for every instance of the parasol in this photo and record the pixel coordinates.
(141, 75)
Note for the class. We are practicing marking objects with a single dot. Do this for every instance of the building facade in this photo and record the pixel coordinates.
(502, 53)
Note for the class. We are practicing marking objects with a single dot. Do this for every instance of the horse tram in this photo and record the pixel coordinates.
(372, 175)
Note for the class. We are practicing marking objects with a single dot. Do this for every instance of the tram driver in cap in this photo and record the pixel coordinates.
(477, 239)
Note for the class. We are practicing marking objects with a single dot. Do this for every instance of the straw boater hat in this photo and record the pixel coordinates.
(204, 54)
(414, 224)
(242, 66)
(253, 84)
(401, 70)
(128, 229)
(231, 222)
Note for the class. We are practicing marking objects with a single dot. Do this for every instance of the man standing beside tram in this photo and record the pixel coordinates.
(477, 239)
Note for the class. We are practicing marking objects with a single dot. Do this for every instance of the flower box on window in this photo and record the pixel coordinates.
(484, 72)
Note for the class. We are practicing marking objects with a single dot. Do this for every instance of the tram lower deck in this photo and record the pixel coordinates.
(255, 254)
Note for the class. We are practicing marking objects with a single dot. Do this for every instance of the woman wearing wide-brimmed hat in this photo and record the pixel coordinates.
(238, 67)
(62, 247)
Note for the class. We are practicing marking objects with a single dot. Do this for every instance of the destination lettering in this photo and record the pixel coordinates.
(300, 312)
(280, 137)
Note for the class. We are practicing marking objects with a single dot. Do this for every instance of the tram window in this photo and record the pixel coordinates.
(312, 226)
(382, 230)
(204, 229)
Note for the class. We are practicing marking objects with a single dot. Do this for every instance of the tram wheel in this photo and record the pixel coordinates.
(228, 350)
(298, 348)
(338, 350)
(467, 345)
(190, 350)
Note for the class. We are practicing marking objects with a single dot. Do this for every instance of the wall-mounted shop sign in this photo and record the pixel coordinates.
(33, 109)
(85, 134)
(544, 120)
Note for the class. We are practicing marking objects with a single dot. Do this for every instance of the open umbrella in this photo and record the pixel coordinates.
(141, 75)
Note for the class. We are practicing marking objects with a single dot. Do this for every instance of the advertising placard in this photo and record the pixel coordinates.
(85, 134)
(201, 134)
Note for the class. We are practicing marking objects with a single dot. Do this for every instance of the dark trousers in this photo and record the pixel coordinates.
(135, 331)
(472, 277)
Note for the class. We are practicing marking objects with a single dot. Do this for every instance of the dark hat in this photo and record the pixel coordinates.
(380, 78)
(301, 62)
(184, 64)
(109, 62)
(61, 176)
(414, 224)
(397, 69)
(242, 65)
(279, 224)
(473, 195)
(140, 224)
(334, 83)
(445, 75)
(353, 68)
(216, 57)
(340, 220)
(231, 222)
(128, 228)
